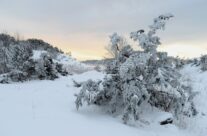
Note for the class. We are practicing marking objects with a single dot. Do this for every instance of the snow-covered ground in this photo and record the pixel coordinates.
(198, 80)
(46, 108)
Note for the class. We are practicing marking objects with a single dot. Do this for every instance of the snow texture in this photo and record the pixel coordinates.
(46, 108)
(72, 65)
(37, 54)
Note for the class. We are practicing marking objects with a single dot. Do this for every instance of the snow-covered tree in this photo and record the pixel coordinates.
(149, 41)
(135, 78)
(117, 42)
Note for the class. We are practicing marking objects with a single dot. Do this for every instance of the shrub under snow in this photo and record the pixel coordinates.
(136, 79)
(203, 62)
(27, 60)
(38, 67)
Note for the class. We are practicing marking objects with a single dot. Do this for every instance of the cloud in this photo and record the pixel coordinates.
(71, 20)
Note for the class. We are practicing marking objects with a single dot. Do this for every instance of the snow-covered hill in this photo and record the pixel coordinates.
(32, 59)
(72, 65)
(46, 108)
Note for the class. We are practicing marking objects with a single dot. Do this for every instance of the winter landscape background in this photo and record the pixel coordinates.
(148, 78)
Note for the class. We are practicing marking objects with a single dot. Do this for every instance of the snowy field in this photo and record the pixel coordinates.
(46, 108)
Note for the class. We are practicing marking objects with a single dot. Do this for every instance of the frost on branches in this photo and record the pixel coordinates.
(18, 64)
(137, 79)
(116, 44)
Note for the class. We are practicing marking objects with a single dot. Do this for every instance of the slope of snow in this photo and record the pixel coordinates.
(198, 80)
(65, 59)
(46, 108)
(71, 64)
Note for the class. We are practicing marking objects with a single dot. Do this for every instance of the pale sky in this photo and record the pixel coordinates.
(83, 26)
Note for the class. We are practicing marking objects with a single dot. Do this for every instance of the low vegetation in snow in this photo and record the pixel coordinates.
(34, 59)
(146, 89)
(136, 80)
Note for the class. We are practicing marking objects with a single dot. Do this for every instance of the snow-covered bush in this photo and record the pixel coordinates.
(37, 44)
(14, 52)
(17, 76)
(45, 68)
(179, 63)
(60, 69)
(88, 93)
(5, 53)
(20, 53)
(139, 78)
(203, 62)
(98, 68)
(116, 44)
(19, 61)
(42, 68)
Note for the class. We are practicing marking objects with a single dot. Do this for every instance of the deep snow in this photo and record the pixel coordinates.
(46, 108)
